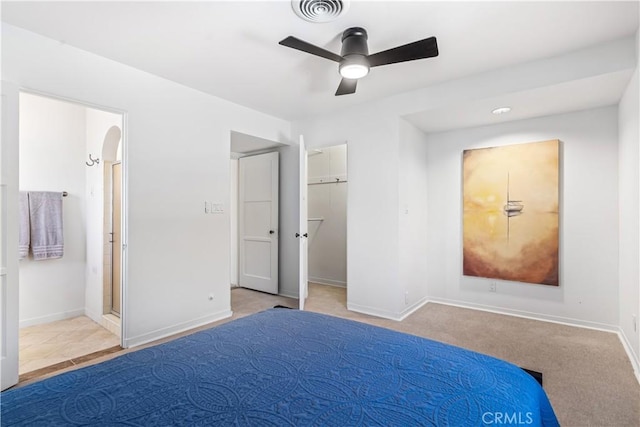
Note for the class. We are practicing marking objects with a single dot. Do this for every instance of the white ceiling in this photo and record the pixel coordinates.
(230, 49)
(598, 91)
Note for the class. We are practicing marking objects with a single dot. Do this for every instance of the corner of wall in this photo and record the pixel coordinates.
(161, 333)
(631, 354)
(629, 211)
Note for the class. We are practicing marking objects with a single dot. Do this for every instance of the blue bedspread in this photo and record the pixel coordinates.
(287, 368)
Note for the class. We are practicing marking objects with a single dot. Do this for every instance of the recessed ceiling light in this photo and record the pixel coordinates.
(501, 110)
(320, 10)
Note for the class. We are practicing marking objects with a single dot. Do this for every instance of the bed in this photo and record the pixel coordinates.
(287, 368)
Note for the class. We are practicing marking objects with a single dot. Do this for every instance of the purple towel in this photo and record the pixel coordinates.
(45, 213)
(24, 235)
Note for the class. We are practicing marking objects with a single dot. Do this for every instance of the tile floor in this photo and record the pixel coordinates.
(243, 303)
(56, 342)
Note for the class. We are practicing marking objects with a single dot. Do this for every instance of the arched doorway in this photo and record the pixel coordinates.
(112, 229)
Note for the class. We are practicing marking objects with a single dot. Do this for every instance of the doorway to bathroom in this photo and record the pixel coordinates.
(70, 156)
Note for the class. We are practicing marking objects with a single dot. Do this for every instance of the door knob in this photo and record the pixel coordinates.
(305, 235)
(271, 231)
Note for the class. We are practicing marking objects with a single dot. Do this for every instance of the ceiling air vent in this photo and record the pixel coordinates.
(320, 10)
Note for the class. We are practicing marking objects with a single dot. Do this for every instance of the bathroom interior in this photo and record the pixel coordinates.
(70, 305)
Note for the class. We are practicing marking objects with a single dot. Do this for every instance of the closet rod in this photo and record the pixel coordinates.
(337, 181)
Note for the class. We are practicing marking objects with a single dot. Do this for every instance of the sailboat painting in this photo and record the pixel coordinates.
(511, 212)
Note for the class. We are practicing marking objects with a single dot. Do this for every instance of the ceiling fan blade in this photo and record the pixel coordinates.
(302, 45)
(427, 48)
(347, 86)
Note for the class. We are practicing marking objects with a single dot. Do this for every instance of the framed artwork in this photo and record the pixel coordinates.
(511, 212)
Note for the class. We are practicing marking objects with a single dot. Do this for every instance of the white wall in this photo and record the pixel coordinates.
(171, 127)
(372, 131)
(372, 215)
(98, 124)
(328, 201)
(588, 291)
(52, 149)
(176, 157)
(413, 214)
(629, 182)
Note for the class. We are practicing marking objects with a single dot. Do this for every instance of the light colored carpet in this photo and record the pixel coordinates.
(587, 374)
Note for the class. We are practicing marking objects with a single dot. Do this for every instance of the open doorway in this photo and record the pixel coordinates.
(65, 150)
(254, 207)
(327, 226)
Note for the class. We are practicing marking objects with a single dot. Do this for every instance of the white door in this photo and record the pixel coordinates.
(9, 230)
(303, 229)
(258, 222)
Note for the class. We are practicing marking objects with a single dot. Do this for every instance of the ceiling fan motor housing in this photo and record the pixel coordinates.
(354, 42)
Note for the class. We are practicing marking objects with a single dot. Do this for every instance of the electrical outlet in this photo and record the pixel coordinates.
(635, 322)
(492, 287)
(406, 298)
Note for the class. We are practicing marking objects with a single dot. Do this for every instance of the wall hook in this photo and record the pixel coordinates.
(95, 161)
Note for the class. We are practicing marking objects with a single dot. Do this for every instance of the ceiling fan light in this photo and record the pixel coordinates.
(354, 71)
(354, 67)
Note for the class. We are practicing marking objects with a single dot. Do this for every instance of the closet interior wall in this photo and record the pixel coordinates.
(327, 214)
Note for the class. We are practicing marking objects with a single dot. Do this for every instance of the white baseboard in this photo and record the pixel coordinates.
(568, 321)
(328, 282)
(52, 317)
(413, 307)
(633, 358)
(374, 312)
(96, 317)
(175, 329)
(399, 317)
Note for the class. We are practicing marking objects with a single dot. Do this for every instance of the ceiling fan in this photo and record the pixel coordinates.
(354, 59)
